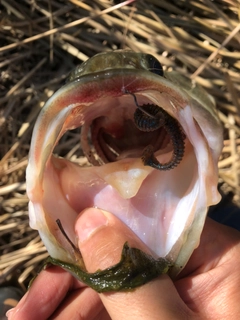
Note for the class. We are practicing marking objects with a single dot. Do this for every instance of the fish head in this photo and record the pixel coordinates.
(162, 195)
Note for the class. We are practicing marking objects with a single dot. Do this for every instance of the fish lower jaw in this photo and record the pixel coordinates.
(146, 206)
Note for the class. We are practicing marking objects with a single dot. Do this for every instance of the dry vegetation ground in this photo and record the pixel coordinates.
(42, 40)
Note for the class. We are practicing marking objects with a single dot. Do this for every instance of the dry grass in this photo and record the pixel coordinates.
(41, 41)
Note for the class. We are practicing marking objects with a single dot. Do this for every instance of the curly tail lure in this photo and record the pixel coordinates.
(150, 117)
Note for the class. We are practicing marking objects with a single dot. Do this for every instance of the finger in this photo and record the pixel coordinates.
(101, 238)
(210, 281)
(216, 241)
(81, 304)
(43, 297)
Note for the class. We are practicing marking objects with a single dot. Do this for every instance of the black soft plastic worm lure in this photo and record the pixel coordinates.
(151, 117)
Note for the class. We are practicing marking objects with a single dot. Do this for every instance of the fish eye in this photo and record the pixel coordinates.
(154, 65)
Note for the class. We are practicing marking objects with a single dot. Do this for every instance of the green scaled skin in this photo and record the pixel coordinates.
(133, 270)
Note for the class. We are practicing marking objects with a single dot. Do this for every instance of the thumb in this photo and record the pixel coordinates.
(101, 238)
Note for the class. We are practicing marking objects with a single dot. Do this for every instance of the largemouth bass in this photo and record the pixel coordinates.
(153, 139)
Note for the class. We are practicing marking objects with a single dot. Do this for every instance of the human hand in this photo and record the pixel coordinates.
(207, 288)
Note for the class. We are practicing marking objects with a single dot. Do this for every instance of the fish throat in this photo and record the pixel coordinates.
(149, 130)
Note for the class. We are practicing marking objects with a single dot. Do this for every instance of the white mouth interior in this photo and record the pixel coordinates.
(159, 206)
(150, 202)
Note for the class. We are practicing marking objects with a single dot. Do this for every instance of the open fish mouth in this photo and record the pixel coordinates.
(153, 141)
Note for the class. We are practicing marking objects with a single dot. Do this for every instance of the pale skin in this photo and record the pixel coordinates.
(207, 289)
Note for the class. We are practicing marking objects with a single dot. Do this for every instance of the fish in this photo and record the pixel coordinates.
(152, 139)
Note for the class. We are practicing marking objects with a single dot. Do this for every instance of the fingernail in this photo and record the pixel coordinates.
(89, 222)
(9, 313)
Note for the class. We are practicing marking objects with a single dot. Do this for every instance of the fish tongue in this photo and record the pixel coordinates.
(125, 176)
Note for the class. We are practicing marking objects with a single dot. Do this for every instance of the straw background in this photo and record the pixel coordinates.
(42, 41)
